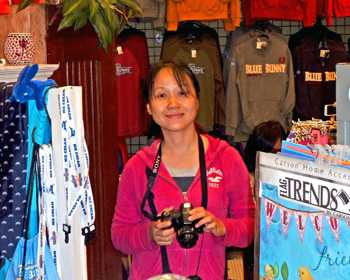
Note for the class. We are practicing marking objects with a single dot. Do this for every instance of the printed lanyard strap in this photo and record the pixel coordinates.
(48, 209)
(76, 169)
(150, 196)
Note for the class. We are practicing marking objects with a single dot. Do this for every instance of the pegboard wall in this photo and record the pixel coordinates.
(340, 26)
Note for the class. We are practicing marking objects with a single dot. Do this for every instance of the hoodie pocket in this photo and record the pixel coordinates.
(262, 111)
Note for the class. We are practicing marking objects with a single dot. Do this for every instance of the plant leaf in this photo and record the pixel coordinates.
(24, 4)
(101, 28)
(66, 4)
(94, 6)
(68, 20)
(108, 11)
(82, 20)
(77, 6)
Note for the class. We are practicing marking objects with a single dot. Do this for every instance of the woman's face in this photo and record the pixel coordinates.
(173, 108)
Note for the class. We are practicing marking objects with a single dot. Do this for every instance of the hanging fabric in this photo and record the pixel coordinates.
(25, 263)
(13, 173)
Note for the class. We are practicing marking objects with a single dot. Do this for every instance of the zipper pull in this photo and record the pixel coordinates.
(185, 196)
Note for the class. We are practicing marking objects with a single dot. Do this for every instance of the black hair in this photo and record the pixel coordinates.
(263, 138)
(180, 71)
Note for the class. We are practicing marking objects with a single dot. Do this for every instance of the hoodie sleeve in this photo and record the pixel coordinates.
(240, 224)
(172, 18)
(129, 231)
(309, 9)
(234, 15)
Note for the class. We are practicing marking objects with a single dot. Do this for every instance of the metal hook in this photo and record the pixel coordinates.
(44, 102)
(45, 107)
(33, 137)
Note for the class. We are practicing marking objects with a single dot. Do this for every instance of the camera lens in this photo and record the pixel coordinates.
(187, 237)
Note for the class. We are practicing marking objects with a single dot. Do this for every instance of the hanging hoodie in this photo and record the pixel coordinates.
(315, 78)
(260, 87)
(203, 10)
(228, 192)
(298, 10)
(203, 58)
(152, 11)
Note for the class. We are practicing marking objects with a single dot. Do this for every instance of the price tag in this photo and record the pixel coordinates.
(193, 53)
(323, 53)
(119, 50)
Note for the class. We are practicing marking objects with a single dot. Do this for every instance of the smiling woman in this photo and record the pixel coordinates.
(199, 178)
(173, 106)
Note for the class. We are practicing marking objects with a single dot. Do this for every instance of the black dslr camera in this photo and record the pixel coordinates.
(187, 233)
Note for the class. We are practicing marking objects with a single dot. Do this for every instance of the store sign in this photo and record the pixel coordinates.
(321, 187)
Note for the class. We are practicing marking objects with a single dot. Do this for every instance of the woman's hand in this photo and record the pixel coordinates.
(162, 237)
(212, 224)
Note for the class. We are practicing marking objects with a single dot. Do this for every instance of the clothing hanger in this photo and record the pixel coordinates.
(320, 32)
(192, 30)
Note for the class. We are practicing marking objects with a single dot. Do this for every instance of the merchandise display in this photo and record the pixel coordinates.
(33, 209)
(313, 132)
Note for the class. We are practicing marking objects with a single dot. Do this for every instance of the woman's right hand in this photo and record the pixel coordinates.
(161, 236)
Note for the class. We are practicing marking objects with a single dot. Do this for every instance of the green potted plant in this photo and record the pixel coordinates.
(108, 17)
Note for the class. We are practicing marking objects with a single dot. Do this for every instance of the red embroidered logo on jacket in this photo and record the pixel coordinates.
(282, 59)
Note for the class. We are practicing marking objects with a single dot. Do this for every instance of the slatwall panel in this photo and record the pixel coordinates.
(340, 26)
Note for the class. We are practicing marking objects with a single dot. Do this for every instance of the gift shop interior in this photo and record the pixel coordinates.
(73, 112)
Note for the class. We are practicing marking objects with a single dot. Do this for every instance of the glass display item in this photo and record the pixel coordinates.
(19, 48)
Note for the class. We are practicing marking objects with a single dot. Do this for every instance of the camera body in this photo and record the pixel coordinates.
(187, 233)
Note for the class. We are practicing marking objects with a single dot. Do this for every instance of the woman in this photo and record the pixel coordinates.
(172, 93)
(267, 137)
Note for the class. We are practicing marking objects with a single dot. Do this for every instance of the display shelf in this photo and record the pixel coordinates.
(10, 73)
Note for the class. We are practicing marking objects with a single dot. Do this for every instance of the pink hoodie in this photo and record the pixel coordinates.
(228, 192)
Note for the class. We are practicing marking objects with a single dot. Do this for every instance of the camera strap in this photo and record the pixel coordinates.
(150, 196)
